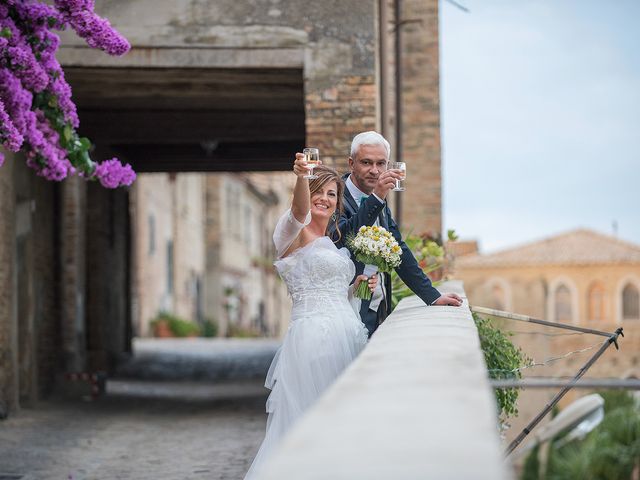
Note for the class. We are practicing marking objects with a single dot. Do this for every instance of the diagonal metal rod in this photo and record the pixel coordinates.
(555, 382)
(613, 337)
(458, 5)
(526, 318)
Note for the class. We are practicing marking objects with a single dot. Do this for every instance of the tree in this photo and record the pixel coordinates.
(37, 114)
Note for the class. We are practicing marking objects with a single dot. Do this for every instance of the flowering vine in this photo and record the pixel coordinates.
(37, 114)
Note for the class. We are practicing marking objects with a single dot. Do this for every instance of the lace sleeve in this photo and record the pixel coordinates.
(287, 230)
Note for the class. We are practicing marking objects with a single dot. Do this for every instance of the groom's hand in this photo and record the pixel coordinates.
(386, 182)
(449, 299)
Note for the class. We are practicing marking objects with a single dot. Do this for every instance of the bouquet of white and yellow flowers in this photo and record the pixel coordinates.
(378, 250)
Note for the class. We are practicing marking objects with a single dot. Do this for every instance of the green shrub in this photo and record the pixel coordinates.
(209, 328)
(502, 358)
(614, 399)
(178, 326)
(531, 467)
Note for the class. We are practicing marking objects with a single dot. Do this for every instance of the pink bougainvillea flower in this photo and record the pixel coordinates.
(37, 113)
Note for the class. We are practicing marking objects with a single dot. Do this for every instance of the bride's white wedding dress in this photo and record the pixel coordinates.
(324, 334)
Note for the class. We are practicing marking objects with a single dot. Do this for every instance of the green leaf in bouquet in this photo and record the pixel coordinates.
(363, 291)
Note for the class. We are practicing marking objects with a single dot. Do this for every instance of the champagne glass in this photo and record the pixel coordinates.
(312, 156)
(403, 171)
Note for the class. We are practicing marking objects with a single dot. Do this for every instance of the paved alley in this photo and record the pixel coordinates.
(206, 423)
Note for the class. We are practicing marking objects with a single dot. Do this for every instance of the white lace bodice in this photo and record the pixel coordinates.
(316, 272)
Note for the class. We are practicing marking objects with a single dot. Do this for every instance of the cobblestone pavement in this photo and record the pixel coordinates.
(147, 429)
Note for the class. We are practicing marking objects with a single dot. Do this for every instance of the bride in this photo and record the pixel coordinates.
(325, 334)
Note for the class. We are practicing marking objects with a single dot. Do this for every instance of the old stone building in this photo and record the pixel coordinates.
(579, 278)
(209, 86)
(168, 228)
(247, 293)
(174, 215)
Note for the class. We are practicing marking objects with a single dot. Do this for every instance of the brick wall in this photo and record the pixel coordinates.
(35, 348)
(339, 109)
(73, 275)
(214, 230)
(334, 115)
(7, 235)
(46, 306)
(422, 201)
(107, 289)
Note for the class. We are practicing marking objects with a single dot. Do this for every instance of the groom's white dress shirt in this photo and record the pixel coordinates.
(378, 293)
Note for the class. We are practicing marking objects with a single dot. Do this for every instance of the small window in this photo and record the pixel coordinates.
(229, 201)
(630, 303)
(596, 301)
(498, 298)
(563, 310)
(248, 219)
(170, 266)
(152, 235)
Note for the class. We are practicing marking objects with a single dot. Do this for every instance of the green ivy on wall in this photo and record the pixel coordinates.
(503, 360)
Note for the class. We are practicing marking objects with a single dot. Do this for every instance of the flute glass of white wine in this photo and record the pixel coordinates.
(312, 157)
(403, 172)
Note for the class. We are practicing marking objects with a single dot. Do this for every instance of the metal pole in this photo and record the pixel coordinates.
(514, 444)
(525, 318)
(384, 70)
(398, 78)
(550, 382)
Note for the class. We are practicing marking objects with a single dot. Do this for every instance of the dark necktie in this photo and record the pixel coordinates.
(363, 198)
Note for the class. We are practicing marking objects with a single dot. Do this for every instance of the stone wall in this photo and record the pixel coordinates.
(212, 243)
(411, 405)
(46, 294)
(73, 250)
(28, 300)
(8, 391)
(422, 201)
(333, 42)
(189, 245)
(107, 282)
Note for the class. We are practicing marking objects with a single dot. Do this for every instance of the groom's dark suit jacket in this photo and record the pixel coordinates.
(351, 219)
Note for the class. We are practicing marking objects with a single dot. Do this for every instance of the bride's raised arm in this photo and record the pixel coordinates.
(301, 203)
(286, 236)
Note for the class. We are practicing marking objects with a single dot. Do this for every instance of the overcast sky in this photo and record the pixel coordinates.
(540, 118)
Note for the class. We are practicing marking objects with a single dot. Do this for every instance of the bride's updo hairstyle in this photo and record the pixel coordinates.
(325, 175)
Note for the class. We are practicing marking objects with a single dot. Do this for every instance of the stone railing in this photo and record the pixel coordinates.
(415, 404)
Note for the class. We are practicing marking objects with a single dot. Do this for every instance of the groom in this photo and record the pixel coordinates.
(365, 193)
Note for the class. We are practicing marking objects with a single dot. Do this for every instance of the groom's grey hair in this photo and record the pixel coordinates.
(369, 138)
